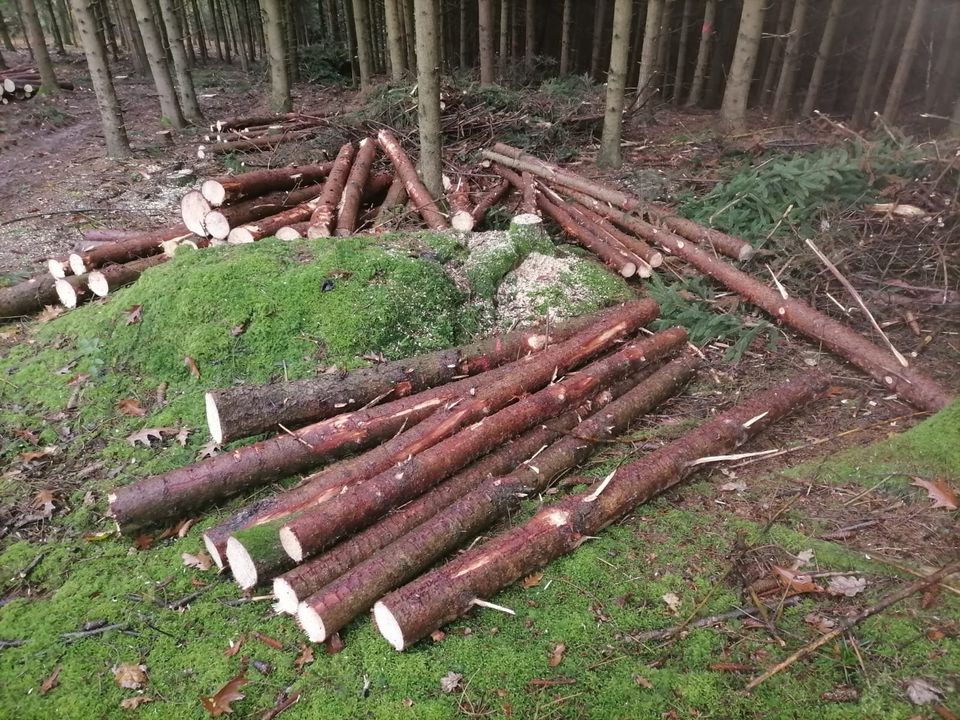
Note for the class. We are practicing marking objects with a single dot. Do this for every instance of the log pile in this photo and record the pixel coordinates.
(260, 133)
(22, 83)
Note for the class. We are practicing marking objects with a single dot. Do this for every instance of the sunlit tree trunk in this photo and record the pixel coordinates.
(823, 56)
(394, 40)
(791, 62)
(34, 33)
(279, 81)
(616, 85)
(646, 82)
(181, 66)
(428, 94)
(157, 59)
(566, 24)
(910, 45)
(485, 31)
(361, 21)
(733, 111)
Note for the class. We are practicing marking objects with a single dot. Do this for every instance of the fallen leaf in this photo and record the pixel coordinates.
(219, 703)
(532, 580)
(796, 582)
(304, 658)
(43, 501)
(846, 585)
(143, 542)
(942, 494)
(129, 676)
(921, 692)
(935, 634)
(182, 436)
(804, 557)
(334, 644)
(131, 407)
(283, 703)
(134, 314)
(184, 527)
(237, 330)
(821, 623)
(735, 486)
(9, 332)
(200, 561)
(192, 366)
(49, 312)
(642, 682)
(209, 450)
(28, 436)
(437, 635)
(261, 666)
(234, 647)
(78, 379)
(51, 682)
(268, 641)
(146, 436)
(673, 603)
(132, 703)
(34, 455)
(407, 702)
(450, 681)
(556, 657)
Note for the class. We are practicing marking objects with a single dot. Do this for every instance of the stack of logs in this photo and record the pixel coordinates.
(22, 83)
(444, 446)
(260, 133)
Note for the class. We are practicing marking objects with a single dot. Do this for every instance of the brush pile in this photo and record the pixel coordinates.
(22, 83)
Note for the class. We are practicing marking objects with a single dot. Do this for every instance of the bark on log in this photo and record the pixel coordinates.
(361, 505)
(30, 296)
(462, 518)
(107, 279)
(412, 612)
(143, 245)
(232, 188)
(242, 411)
(248, 122)
(458, 198)
(396, 197)
(218, 223)
(918, 389)
(353, 190)
(653, 257)
(71, 290)
(110, 235)
(266, 142)
(415, 188)
(492, 197)
(163, 497)
(324, 213)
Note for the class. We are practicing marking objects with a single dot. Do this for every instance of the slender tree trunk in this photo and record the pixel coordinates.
(566, 26)
(157, 58)
(257, 28)
(5, 34)
(361, 21)
(186, 36)
(945, 68)
(953, 130)
(515, 32)
(771, 73)
(911, 43)
(200, 34)
(733, 112)
(351, 37)
(290, 44)
(791, 62)
(823, 56)
(867, 79)
(111, 119)
(244, 41)
(646, 82)
(409, 35)
(663, 48)
(34, 33)
(596, 46)
(428, 94)
(279, 81)
(504, 38)
(181, 65)
(55, 28)
(463, 53)
(485, 23)
(682, 51)
(616, 85)
(110, 35)
(530, 35)
(394, 40)
(138, 51)
(217, 30)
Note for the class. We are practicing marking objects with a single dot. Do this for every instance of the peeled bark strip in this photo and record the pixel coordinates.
(415, 610)
(143, 245)
(218, 223)
(458, 197)
(232, 188)
(106, 280)
(492, 197)
(362, 505)
(322, 218)
(193, 209)
(242, 411)
(336, 604)
(353, 190)
(415, 188)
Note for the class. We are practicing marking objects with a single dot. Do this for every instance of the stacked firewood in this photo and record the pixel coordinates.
(22, 83)
(459, 439)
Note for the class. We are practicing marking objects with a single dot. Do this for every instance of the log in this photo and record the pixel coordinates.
(491, 198)
(266, 142)
(219, 222)
(123, 251)
(653, 257)
(230, 189)
(415, 188)
(458, 197)
(415, 610)
(362, 504)
(242, 411)
(293, 232)
(176, 493)
(251, 538)
(323, 215)
(918, 389)
(110, 235)
(240, 123)
(193, 209)
(396, 197)
(336, 604)
(111, 277)
(349, 207)
(31, 296)
(71, 290)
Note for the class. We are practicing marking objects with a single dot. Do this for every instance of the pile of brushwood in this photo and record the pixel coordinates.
(22, 83)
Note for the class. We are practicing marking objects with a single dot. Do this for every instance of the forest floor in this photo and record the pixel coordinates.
(837, 502)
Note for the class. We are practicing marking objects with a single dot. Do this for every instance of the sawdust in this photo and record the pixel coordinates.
(540, 286)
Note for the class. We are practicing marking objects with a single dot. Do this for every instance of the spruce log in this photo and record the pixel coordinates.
(415, 610)
(919, 390)
(491, 198)
(230, 189)
(71, 290)
(349, 207)
(110, 235)
(242, 411)
(254, 121)
(361, 505)
(415, 188)
(324, 212)
(123, 251)
(176, 493)
(193, 209)
(31, 296)
(251, 537)
(458, 198)
(654, 258)
(109, 278)
(268, 141)
(396, 197)
(294, 231)
(336, 604)
(218, 223)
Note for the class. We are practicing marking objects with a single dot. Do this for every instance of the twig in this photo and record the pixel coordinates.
(80, 634)
(55, 212)
(4, 644)
(850, 622)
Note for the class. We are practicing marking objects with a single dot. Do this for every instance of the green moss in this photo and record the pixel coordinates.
(488, 264)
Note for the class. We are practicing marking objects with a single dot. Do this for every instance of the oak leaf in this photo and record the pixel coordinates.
(450, 681)
(234, 647)
(796, 582)
(182, 436)
(219, 703)
(304, 658)
(200, 561)
(132, 703)
(129, 676)
(532, 580)
(44, 502)
(192, 366)
(146, 436)
(942, 494)
(49, 313)
(131, 407)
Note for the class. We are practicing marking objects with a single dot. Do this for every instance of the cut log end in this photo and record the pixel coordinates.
(214, 552)
(388, 626)
(213, 418)
(315, 232)
(628, 269)
(66, 293)
(98, 284)
(213, 192)
(462, 221)
(655, 260)
(288, 233)
(194, 208)
(287, 600)
(291, 544)
(241, 564)
(746, 253)
(240, 236)
(57, 269)
(77, 264)
(312, 623)
(217, 225)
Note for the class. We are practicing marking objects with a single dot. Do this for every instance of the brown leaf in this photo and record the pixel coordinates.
(44, 502)
(642, 682)
(219, 703)
(183, 527)
(268, 641)
(182, 436)
(450, 681)
(129, 676)
(846, 585)
(132, 703)
(78, 379)
(34, 455)
(200, 561)
(304, 658)
(146, 436)
(192, 366)
(143, 542)
(51, 682)
(283, 702)
(49, 312)
(134, 314)
(822, 623)
(334, 644)
(209, 450)
(237, 330)
(942, 494)
(234, 647)
(556, 657)
(532, 580)
(131, 407)
(437, 635)
(28, 436)
(796, 582)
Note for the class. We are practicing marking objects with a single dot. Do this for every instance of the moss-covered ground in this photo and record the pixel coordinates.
(271, 310)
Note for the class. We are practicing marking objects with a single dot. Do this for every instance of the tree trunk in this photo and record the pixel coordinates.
(138, 52)
(791, 62)
(646, 82)
(565, 37)
(680, 73)
(733, 112)
(428, 96)
(942, 78)
(322, 219)
(244, 46)
(415, 610)
(34, 33)
(157, 58)
(290, 41)
(109, 279)
(201, 35)
(485, 31)
(778, 43)
(279, 81)
(181, 65)
(30, 296)
(463, 54)
(394, 40)
(703, 54)
(142, 245)
(55, 28)
(616, 85)
(596, 46)
(587, 237)
(108, 29)
(361, 19)
(823, 56)
(332, 607)
(5, 34)
(911, 43)
(410, 34)
(504, 59)
(530, 35)
(663, 48)
(881, 29)
(217, 28)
